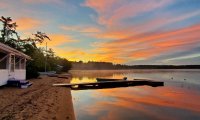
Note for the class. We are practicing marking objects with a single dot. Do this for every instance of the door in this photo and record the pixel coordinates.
(11, 67)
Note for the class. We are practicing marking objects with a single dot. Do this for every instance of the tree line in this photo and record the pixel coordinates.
(10, 37)
(110, 66)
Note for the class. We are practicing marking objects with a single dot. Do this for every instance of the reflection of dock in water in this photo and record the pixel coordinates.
(111, 84)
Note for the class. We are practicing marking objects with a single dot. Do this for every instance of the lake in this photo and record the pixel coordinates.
(178, 99)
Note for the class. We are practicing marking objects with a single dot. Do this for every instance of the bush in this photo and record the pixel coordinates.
(31, 71)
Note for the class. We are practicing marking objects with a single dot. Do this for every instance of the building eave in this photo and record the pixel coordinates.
(13, 51)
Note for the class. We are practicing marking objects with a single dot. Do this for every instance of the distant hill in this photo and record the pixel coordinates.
(110, 66)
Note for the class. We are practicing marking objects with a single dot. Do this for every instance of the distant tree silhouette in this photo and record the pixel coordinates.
(9, 28)
(110, 66)
(39, 37)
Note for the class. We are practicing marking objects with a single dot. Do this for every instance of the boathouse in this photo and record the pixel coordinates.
(12, 64)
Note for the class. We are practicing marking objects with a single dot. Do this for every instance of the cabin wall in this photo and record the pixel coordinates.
(4, 76)
(20, 74)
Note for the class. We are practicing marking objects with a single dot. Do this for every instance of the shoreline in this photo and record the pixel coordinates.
(41, 101)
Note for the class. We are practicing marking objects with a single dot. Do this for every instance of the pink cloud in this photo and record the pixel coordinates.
(111, 13)
(157, 35)
(164, 20)
(154, 44)
(82, 28)
(99, 5)
(3, 5)
(42, 1)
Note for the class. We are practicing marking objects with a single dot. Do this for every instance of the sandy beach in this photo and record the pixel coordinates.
(41, 101)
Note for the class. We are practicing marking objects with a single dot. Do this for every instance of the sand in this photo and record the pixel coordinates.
(41, 101)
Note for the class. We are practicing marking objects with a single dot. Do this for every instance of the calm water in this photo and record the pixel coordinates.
(179, 99)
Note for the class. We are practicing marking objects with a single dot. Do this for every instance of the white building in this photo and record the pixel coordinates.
(12, 64)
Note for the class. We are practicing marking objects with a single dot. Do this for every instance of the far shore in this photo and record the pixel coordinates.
(41, 101)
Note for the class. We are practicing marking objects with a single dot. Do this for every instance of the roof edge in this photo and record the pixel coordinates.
(14, 51)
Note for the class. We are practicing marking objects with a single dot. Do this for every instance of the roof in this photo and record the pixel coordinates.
(13, 51)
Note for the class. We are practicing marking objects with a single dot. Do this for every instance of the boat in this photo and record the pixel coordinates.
(109, 79)
(19, 83)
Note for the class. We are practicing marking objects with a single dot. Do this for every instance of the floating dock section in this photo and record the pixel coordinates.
(110, 84)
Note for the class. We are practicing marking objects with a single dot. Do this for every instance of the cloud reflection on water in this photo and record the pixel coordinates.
(168, 102)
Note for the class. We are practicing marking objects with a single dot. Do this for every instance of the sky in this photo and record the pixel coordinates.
(131, 32)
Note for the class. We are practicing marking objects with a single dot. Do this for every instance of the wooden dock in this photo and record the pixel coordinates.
(110, 84)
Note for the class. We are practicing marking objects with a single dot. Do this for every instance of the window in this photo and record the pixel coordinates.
(23, 63)
(3, 60)
(12, 63)
(17, 63)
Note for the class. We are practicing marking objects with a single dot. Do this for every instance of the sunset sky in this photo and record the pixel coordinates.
(119, 31)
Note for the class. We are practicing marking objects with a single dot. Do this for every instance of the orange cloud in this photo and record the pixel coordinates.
(153, 44)
(77, 54)
(177, 42)
(158, 35)
(165, 46)
(58, 39)
(146, 53)
(25, 23)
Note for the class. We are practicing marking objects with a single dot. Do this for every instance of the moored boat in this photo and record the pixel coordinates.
(108, 79)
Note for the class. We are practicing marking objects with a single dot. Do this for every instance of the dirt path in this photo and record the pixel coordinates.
(39, 102)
